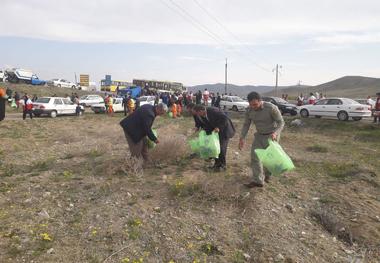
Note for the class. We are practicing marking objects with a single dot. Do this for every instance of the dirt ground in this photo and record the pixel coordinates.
(69, 192)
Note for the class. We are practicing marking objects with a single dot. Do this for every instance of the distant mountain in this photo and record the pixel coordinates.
(348, 86)
(233, 89)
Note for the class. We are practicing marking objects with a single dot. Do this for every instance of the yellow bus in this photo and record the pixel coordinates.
(113, 84)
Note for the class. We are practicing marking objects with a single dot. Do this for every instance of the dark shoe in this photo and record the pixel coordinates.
(253, 184)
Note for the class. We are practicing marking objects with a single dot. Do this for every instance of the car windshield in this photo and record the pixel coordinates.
(143, 98)
(83, 98)
(237, 99)
(350, 101)
(42, 100)
(280, 100)
(67, 102)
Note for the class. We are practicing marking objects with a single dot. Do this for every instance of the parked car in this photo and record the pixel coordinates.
(234, 103)
(89, 100)
(2, 76)
(53, 106)
(370, 102)
(62, 83)
(284, 106)
(101, 107)
(146, 100)
(342, 108)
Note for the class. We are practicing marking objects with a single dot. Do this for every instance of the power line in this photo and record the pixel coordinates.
(187, 16)
(229, 32)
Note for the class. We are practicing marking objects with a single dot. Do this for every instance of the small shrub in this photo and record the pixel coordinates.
(44, 165)
(210, 249)
(342, 171)
(182, 189)
(317, 148)
(238, 257)
(94, 153)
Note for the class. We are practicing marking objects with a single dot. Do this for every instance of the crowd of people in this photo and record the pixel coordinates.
(265, 116)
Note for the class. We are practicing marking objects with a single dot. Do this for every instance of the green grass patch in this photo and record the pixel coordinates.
(94, 153)
(341, 171)
(44, 165)
(181, 189)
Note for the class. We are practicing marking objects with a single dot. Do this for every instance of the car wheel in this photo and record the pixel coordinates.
(53, 114)
(342, 116)
(304, 113)
(73, 87)
(235, 108)
(59, 85)
(356, 118)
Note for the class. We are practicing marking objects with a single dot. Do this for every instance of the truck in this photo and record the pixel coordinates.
(133, 91)
(17, 75)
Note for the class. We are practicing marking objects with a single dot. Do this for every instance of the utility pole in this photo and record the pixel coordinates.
(225, 79)
(276, 69)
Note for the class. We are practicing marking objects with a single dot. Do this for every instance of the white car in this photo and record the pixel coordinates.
(101, 107)
(146, 100)
(62, 83)
(234, 103)
(53, 106)
(89, 100)
(341, 108)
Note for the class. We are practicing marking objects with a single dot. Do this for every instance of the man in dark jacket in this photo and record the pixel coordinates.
(214, 120)
(138, 126)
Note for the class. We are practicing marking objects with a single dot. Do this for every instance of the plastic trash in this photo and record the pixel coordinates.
(152, 144)
(194, 145)
(209, 146)
(13, 104)
(274, 158)
(170, 114)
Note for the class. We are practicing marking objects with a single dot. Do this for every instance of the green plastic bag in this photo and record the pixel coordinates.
(274, 158)
(209, 146)
(152, 144)
(13, 104)
(194, 145)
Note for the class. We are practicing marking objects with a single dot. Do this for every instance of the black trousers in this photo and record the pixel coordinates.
(221, 160)
(27, 112)
(2, 109)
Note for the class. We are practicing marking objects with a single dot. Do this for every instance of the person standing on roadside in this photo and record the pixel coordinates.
(124, 104)
(3, 97)
(376, 113)
(138, 126)
(17, 99)
(269, 123)
(217, 100)
(27, 108)
(206, 95)
(110, 106)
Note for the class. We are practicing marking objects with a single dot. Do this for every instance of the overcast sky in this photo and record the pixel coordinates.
(188, 40)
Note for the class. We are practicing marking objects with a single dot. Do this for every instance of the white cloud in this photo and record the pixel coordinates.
(151, 21)
(358, 38)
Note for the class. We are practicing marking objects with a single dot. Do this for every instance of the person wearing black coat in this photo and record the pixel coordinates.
(138, 126)
(212, 119)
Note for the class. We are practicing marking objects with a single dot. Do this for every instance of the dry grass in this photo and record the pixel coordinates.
(69, 184)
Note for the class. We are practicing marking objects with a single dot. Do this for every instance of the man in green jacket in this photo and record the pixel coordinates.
(269, 123)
